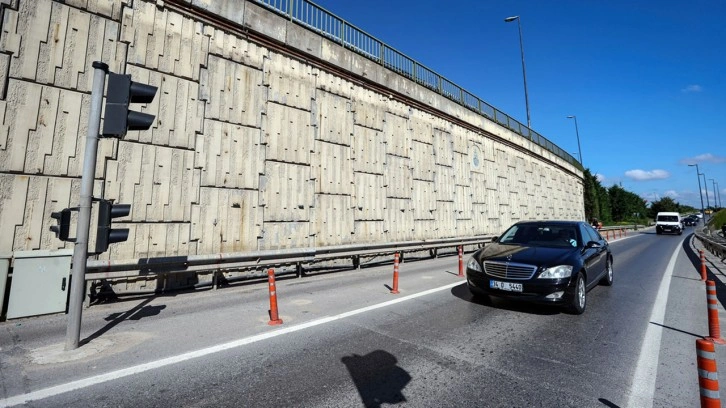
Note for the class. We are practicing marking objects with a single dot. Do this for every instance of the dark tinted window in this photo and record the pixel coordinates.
(590, 234)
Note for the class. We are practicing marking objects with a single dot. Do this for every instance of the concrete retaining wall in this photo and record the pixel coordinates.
(253, 148)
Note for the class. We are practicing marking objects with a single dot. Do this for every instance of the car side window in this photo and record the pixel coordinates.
(594, 235)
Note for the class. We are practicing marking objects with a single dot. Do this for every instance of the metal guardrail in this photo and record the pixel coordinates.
(97, 269)
(327, 24)
(714, 243)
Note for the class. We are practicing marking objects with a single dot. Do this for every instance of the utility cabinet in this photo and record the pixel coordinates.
(40, 283)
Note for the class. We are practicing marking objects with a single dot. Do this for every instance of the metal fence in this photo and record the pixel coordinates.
(327, 24)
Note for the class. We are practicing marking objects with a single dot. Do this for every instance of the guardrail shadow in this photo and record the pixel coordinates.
(377, 377)
(695, 259)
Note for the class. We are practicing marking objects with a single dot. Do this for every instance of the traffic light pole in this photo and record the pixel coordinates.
(80, 251)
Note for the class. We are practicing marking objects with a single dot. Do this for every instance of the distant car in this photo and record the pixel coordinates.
(690, 221)
(668, 222)
(551, 262)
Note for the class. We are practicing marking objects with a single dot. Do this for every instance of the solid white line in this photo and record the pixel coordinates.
(642, 388)
(114, 375)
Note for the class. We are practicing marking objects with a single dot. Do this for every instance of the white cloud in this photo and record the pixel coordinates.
(642, 175)
(671, 194)
(692, 88)
(600, 177)
(704, 158)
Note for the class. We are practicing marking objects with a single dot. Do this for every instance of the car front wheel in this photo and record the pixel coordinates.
(579, 300)
(607, 280)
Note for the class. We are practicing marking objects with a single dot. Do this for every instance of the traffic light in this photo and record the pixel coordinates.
(106, 235)
(64, 224)
(118, 118)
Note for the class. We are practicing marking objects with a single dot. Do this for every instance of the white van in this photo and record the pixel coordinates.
(668, 222)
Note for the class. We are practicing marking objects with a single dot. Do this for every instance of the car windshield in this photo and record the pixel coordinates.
(547, 235)
(668, 218)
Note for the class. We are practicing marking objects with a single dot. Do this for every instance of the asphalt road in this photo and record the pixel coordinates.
(346, 341)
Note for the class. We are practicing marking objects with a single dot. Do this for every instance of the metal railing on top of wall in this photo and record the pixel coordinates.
(327, 24)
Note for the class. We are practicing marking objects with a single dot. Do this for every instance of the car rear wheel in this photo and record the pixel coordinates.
(607, 280)
(579, 300)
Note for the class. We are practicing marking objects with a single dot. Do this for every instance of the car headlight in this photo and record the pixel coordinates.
(474, 265)
(557, 272)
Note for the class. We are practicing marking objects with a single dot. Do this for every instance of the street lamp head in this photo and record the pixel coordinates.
(571, 117)
(510, 19)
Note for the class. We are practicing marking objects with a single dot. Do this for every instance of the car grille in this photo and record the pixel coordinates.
(509, 270)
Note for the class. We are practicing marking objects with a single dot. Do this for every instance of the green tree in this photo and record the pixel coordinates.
(665, 204)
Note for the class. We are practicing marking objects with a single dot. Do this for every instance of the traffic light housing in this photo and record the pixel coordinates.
(105, 235)
(63, 229)
(120, 93)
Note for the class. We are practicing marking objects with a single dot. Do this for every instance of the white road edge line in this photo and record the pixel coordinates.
(114, 375)
(642, 388)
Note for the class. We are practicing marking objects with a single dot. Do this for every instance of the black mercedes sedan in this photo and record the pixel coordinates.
(552, 262)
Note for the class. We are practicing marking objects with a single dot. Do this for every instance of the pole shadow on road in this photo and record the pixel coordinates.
(377, 377)
(136, 313)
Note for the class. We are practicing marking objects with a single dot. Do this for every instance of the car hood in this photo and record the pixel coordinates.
(540, 256)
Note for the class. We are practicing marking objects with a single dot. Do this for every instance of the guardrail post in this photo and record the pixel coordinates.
(274, 317)
(707, 374)
(461, 261)
(395, 275)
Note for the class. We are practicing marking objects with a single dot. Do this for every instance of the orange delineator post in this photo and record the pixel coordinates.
(707, 374)
(714, 328)
(395, 275)
(461, 261)
(274, 318)
(703, 266)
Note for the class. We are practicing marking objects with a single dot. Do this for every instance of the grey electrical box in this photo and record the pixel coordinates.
(40, 283)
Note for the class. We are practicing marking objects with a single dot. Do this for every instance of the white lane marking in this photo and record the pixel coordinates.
(642, 388)
(114, 375)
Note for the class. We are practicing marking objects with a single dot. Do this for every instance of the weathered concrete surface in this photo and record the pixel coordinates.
(252, 148)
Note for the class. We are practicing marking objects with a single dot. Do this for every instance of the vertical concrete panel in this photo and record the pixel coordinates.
(23, 105)
(13, 195)
(445, 181)
(421, 128)
(369, 231)
(369, 154)
(423, 165)
(480, 220)
(335, 84)
(334, 170)
(334, 220)
(398, 177)
(446, 219)
(368, 108)
(424, 206)
(288, 134)
(229, 220)
(106, 8)
(444, 148)
(287, 192)
(426, 229)
(231, 47)
(334, 118)
(233, 92)
(397, 135)
(399, 220)
(369, 200)
(281, 235)
(478, 188)
(290, 83)
(229, 155)
(463, 203)
(462, 169)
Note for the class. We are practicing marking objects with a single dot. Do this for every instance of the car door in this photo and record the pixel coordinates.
(594, 258)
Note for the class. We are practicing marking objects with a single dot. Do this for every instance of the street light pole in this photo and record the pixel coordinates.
(577, 133)
(698, 176)
(720, 204)
(524, 71)
(705, 185)
(713, 183)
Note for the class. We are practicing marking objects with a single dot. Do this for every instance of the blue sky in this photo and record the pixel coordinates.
(646, 79)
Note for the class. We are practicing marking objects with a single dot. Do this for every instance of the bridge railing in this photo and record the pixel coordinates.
(327, 24)
(713, 242)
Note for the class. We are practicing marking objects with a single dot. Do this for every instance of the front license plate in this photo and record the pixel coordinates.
(508, 286)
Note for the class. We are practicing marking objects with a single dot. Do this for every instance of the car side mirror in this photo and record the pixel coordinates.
(495, 239)
(593, 244)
